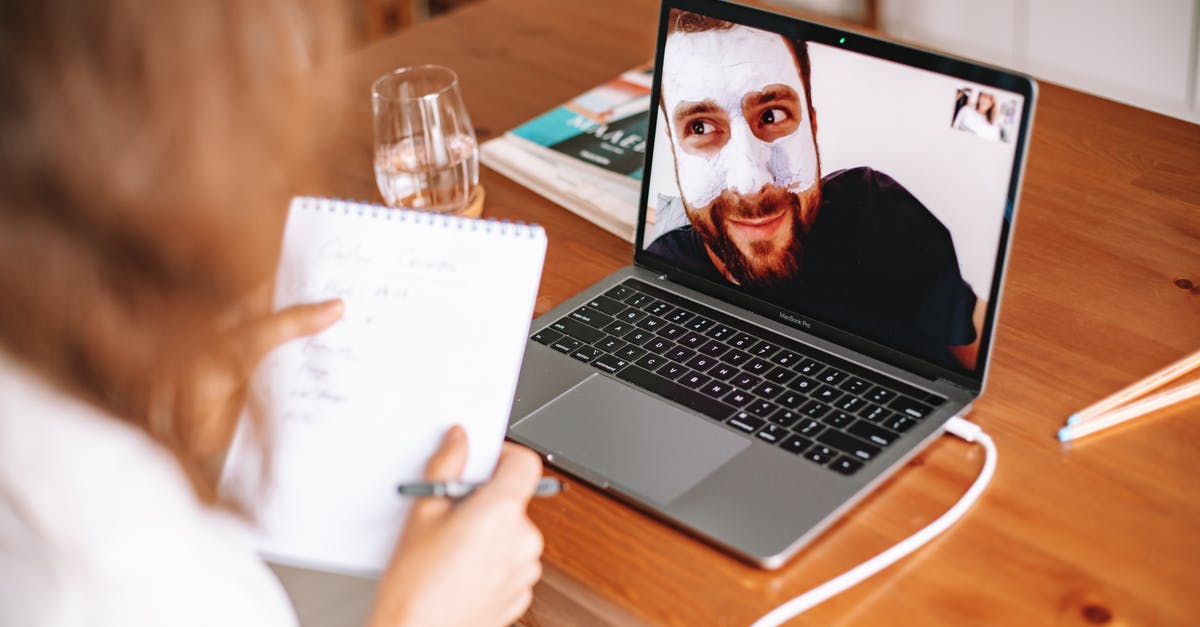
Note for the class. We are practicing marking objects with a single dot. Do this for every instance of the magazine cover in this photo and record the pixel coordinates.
(587, 154)
(605, 126)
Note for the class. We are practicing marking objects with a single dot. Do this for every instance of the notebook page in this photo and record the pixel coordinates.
(435, 325)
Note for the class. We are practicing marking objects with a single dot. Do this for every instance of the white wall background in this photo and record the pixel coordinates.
(896, 119)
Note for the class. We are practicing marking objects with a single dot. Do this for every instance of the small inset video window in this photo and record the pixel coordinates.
(985, 113)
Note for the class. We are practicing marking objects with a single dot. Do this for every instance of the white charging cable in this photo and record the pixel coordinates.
(964, 429)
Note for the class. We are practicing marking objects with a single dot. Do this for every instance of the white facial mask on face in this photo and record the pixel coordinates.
(724, 66)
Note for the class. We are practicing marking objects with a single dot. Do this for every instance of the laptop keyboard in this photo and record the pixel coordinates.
(807, 402)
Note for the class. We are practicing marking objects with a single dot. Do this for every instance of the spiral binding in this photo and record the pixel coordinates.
(347, 207)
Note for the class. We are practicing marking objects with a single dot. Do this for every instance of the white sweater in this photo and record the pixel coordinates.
(99, 526)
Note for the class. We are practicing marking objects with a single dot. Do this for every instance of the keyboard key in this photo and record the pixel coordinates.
(716, 389)
(657, 308)
(874, 413)
(764, 349)
(757, 365)
(578, 330)
(742, 341)
(850, 404)
(796, 444)
(675, 392)
(693, 340)
(631, 352)
(610, 363)
(803, 385)
(651, 361)
(714, 349)
(820, 454)
(855, 385)
(723, 372)
(591, 317)
(846, 444)
(545, 336)
(680, 353)
(650, 323)
(908, 406)
(745, 381)
(694, 380)
(814, 409)
(899, 422)
(700, 362)
(736, 358)
(808, 427)
(672, 370)
(872, 433)
(618, 328)
(671, 331)
(768, 390)
(738, 398)
(838, 419)
(719, 332)
(631, 315)
(586, 353)
(826, 394)
(679, 316)
(638, 336)
(785, 417)
(832, 376)
(698, 324)
(809, 367)
(780, 375)
(610, 344)
(786, 358)
(620, 292)
(566, 345)
(761, 408)
(606, 305)
(772, 433)
(880, 395)
(846, 465)
(638, 300)
(659, 345)
(745, 422)
(791, 399)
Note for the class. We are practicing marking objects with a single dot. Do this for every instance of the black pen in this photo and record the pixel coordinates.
(547, 486)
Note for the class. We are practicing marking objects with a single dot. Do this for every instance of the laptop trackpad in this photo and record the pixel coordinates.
(630, 438)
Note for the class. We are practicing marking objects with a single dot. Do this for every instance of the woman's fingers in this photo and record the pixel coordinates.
(256, 339)
(446, 464)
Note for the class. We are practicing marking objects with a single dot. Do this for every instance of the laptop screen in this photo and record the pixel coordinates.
(808, 172)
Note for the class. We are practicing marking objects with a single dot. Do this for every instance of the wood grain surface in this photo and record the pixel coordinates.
(1103, 288)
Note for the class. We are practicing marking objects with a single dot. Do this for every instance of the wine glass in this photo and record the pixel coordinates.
(426, 157)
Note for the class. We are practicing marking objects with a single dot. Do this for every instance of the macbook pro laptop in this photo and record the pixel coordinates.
(822, 238)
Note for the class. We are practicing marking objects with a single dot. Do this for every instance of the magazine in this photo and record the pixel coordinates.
(586, 154)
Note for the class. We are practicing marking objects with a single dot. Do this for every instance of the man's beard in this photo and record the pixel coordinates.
(771, 265)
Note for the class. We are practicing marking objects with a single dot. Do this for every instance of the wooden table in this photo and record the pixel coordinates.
(1103, 288)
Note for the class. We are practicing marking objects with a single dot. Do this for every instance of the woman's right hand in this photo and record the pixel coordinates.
(471, 562)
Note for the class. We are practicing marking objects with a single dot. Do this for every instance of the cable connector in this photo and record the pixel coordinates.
(964, 429)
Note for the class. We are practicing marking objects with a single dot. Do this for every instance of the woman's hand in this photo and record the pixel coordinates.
(473, 562)
(211, 390)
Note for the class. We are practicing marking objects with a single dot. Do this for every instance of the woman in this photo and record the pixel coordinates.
(146, 152)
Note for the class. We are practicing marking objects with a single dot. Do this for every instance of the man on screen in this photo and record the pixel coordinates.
(854, 248)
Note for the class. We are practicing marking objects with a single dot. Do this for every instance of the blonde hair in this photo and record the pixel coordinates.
(146, 153)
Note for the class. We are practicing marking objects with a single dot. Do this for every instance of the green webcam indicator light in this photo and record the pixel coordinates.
(842, 40)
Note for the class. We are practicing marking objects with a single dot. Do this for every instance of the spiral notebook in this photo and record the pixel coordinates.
(437, 314)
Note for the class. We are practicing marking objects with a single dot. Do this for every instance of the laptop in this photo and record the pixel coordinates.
(821, 244)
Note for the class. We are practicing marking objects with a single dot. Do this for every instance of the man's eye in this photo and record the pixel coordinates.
(700, 127)
(774, 116)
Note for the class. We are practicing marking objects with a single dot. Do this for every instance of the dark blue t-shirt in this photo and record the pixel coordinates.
(876, 263)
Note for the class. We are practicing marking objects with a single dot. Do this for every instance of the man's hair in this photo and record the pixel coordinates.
(688, 22)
